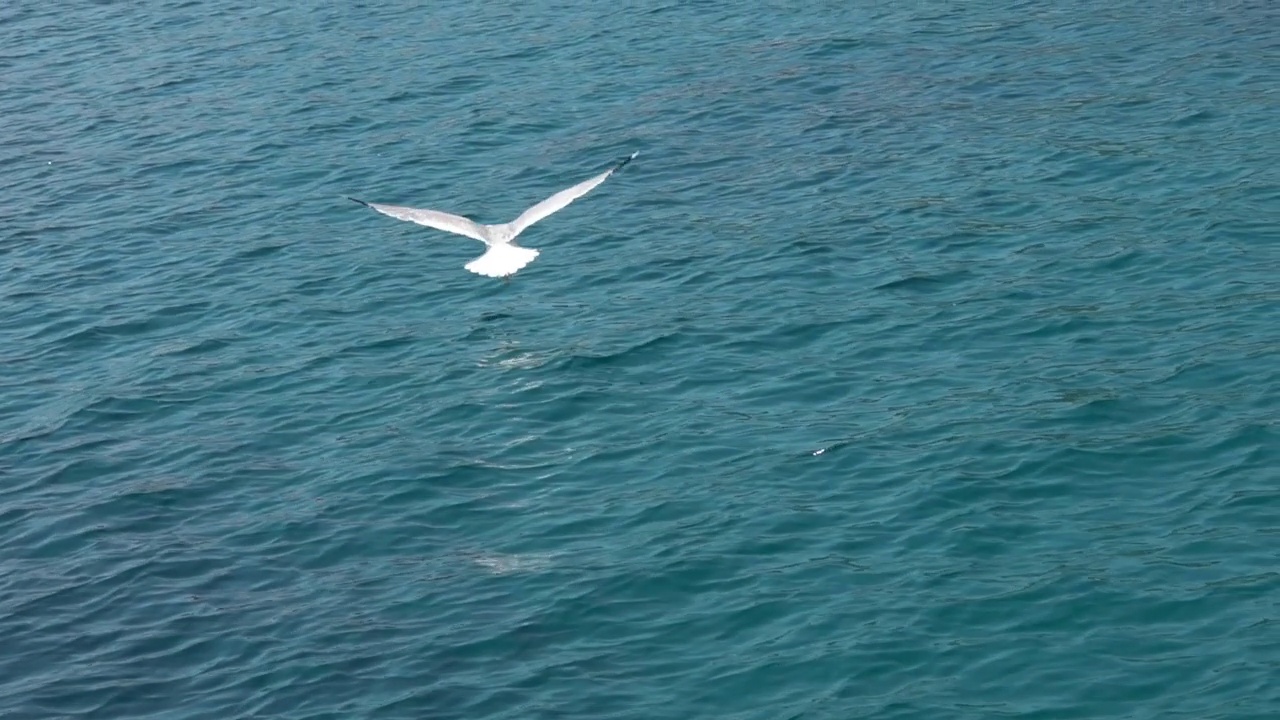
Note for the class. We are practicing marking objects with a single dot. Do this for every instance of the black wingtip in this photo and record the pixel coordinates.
(625, 160)
(354, 200)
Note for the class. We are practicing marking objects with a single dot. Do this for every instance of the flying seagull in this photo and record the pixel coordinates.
(503, 256)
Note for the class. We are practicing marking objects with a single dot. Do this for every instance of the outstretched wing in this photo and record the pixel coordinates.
(562, 198)
(432, 219)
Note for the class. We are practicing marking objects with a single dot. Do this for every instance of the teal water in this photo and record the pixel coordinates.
(925, 364)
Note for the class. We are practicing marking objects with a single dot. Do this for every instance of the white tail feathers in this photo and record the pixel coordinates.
(502, 260)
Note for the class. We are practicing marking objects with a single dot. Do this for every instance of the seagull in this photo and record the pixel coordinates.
(503, 257)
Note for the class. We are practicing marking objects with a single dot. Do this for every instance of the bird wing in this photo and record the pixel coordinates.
(562, 198)
(432, 219)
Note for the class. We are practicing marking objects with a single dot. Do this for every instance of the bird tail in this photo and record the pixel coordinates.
(502, 260)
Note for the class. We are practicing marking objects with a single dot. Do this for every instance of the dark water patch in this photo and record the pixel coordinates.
(925, 284)
(633, 356)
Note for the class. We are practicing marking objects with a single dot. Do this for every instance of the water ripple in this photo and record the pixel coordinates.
(924, 365)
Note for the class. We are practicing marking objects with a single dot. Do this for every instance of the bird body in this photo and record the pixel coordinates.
(503, 257)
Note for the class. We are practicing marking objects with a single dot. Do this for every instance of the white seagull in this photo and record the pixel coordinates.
(503, 257)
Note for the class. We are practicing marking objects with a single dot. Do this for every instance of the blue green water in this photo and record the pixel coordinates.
(925, 364)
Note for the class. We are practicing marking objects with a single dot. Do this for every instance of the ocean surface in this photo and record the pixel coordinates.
(925, 364)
